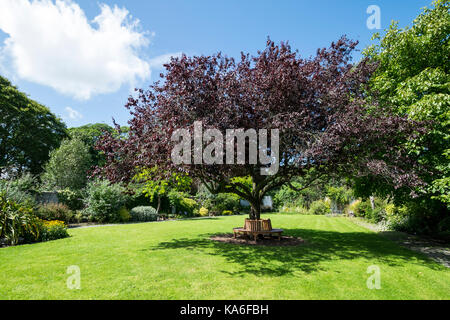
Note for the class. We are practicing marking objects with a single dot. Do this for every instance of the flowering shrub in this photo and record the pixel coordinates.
(52, 230)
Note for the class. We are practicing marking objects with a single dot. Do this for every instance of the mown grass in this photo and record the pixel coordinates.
(176, 260)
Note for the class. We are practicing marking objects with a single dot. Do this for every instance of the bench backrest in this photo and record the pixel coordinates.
(258, 225)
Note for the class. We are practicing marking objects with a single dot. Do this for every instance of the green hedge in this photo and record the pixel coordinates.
(143, 214)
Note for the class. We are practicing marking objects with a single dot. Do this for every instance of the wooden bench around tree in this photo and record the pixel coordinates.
(258, 227)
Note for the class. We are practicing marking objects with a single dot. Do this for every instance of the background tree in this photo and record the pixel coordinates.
(28, 131)
(68, 166)
(413, 80)
(90, 134)
(317, 104)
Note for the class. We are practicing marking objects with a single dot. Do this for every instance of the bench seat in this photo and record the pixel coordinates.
(255, 233)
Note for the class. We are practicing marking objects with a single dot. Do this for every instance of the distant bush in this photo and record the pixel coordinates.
(341, 196)
(226, 202)
(320, 207)
(295, 209)
(188, 205)
(104, 201)
(71, 198)
(55, 211)
(183, 205)
(227, 213)
(363, 209)
(353, 208)
(143, 214)
(377, 215)
(124, 214)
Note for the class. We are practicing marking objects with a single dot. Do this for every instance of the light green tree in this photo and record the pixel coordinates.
(413, 79)
(68, 166)
(160, 187)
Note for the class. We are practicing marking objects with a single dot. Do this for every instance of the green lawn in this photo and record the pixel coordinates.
(176, 260)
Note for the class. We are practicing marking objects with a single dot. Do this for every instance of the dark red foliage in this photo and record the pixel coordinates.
(317, 104)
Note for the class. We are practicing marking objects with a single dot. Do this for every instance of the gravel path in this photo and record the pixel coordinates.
(436, 250)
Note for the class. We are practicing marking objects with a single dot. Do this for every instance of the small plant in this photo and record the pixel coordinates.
(144, 214)
(79, 216)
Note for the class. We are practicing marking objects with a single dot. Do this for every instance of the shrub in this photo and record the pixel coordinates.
(143, 214)
(364, 209)
(340, 195)
(16, 220)
(124, 214)
(19, 190)
(188, 205)
(203, 212)
(72, 199)
(377, 215)
(104, 201)
(78, 216)
(320, 207)
(52, 230)
(227, 213)
(353, 208)
(55, 211)
(226, 201)
(390, 209)
(295, 209)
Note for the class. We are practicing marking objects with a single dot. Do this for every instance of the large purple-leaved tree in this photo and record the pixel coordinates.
(318, 105)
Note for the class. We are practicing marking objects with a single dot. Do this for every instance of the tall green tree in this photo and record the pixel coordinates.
(413, 79)
(68, 166)
(28, 131)
(90, 134)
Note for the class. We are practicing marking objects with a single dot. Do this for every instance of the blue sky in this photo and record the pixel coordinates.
(42, 61)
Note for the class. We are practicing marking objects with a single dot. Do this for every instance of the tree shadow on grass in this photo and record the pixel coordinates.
(319, 246)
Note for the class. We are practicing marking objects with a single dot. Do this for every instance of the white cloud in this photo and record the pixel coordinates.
(158, 62)
(73, 114)
(53, 44)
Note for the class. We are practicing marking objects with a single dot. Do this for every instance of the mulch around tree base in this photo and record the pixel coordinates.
(242, 240)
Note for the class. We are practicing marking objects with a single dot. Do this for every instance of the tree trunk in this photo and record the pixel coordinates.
(255, 212)
(159, 204)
